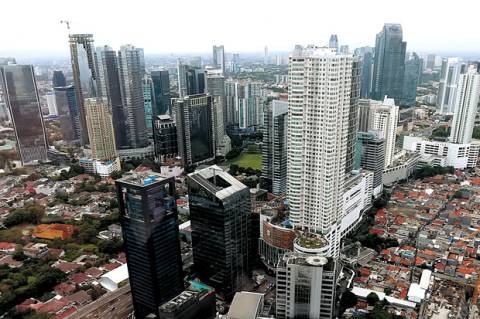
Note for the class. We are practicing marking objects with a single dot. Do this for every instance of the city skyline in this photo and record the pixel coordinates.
(423, 29)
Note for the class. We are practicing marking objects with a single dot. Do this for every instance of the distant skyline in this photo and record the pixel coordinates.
(32, 28)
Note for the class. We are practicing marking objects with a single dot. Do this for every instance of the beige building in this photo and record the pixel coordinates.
(100, 129)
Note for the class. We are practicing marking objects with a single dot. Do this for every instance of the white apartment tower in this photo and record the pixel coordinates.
(384, 118)
(452, 68)
(320, 91)
(466, 103)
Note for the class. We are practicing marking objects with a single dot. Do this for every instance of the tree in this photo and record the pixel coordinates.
(348, 300)
(32, 214)
(233, 169)
(372, 299)
(117, 174)
(110, 247)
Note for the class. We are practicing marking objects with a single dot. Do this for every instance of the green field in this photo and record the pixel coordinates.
(251, 160)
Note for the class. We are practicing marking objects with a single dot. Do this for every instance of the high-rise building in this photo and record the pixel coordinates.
(148, 215)
(411, 79)
(452, 68)
(148, 102)
(344, 49)
(191, 80)
(216, 88)
(195, 132)
(100, 129)
(235, 64)
(108, 60)
(366, 55)
(383, 117)
(363, 115)
(466, 105)
(58, 79)
(389, 63)
(85, 79)
(274, 149)
(305, 287)
(265, 55)
(430, 65)
(21, 97)
(68, 113)
(319, 137)
(165, 137)
(371, 156)
(161, 89)
(132, 69)
(51, 103)
(244, 103)
(219, 213)
(219, 57)
(333, 42)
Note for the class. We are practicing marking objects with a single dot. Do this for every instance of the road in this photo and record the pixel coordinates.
(113, 305)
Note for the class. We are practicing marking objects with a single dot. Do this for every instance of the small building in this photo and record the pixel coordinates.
(190, 304)
(7, 248)
(35, 250)
(113, 279)
(246, 305)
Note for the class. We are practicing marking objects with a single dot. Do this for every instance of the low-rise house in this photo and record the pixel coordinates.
(35, 250)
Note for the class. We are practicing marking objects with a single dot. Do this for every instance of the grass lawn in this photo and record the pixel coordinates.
(248, 160)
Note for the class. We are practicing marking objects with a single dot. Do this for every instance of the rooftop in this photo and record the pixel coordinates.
(217, 181)
(246, 305)
(311, 241)
(142, 179)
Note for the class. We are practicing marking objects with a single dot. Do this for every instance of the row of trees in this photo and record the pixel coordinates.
(30, 214)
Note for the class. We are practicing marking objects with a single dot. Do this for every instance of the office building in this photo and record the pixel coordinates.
(219, 214)
(161, 92)
(148, 102)
(85, 79)
(305, 287)
(320, 142)
(108, 60)
(344, 49)
(195, 131)
(219, 57)
(265, 55)
(389, 63)
(371, 156)
(165, 138)
(235, 63)
(68, 113)
(132, 69)
(248, 305)
(366, 56)
(383, 117)
(148, 215)
(274, 149)
(21, 97)
(51, 103)
(216, 88)
(191, 79)
(333, 42)
(100, 129)
(430, 65)
(411, 79)
(58, 79)
(244, 103)
(193, 303)
(452, 68)
(466, 106)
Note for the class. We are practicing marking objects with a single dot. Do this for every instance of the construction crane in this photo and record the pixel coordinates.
(67, 23)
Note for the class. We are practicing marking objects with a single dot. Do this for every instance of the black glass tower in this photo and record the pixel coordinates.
(150, 233)
(58, 79)
(21, 96)
(220, 211)
(68, 113)
(161, 88)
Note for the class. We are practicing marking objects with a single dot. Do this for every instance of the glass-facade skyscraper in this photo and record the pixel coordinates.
(161, 92)
(389, 63)
(21, 95)
(151, 238)
(413, 72)
(68, 113)
(58, 79)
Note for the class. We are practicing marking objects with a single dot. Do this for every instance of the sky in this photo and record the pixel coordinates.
(32, 27)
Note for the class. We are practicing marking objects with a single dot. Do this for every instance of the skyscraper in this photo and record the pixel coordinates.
(68, 113)
(466, 104)
(219, 57)
(389, 63)
(305, 287)
(132, 69)
(244, 103)
(216, 88)
(85, 79)
(21, 97)
(191, 80)
(219, 212)
(274, 149)
(58, 79)
(165, 137)
(265, 55)
(108, 60)
(319, 136)
(195, 132)
(371, 156)
(413, 72)
(452, 68)
(150, 233)
(366, 55)
(100, 129)
(161, 89)
(148, 102)
(384, 118)
(333, 42)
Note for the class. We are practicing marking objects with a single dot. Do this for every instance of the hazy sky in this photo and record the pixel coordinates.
(164, 26)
